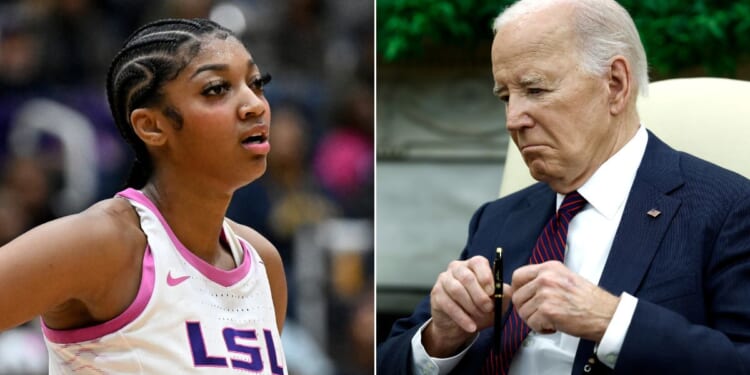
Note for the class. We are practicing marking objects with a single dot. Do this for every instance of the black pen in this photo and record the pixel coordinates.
(497, 270)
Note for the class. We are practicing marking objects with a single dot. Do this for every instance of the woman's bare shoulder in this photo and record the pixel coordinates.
(111, 221)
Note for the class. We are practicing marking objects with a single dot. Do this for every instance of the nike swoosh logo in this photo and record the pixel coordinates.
(174, 281)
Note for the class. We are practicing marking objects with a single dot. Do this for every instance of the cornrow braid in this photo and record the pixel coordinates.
(152, 56)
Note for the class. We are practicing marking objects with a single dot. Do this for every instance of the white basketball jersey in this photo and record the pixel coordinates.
(188, 317)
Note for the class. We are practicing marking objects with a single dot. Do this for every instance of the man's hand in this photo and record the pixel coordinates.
(461, 303)
(549, 297)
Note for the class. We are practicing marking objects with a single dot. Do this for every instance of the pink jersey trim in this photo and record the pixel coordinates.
(222, 277)
(135, 309)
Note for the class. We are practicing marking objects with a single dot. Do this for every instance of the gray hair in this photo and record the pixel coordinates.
(604, 29)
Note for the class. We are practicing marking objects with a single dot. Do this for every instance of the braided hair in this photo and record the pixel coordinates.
(152, 56)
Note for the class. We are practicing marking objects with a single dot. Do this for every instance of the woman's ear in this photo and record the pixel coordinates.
(147, 127)
(619, 85)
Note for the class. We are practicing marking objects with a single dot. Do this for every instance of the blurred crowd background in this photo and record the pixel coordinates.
(60, 151)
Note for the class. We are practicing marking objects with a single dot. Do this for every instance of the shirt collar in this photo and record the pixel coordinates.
(608, 188)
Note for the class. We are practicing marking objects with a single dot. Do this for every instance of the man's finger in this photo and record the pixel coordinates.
(524, 275)
(456, 289)
(476, 277)
(480, 266)
(453, 311)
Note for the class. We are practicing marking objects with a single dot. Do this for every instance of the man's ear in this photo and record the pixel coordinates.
(147, 127)
(620, 90)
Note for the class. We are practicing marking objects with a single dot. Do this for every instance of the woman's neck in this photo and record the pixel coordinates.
(195, 215)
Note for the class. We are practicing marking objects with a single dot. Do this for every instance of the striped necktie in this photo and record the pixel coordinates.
(549, 246)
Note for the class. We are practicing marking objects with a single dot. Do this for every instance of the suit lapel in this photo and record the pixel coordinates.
(637, 238)
(641, 229)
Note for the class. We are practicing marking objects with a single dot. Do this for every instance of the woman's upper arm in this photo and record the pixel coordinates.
(54, 263)
(274, 269)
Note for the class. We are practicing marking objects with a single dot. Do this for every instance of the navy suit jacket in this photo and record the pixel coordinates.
(689, 267)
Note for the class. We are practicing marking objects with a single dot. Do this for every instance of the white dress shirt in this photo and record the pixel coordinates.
(590, 236)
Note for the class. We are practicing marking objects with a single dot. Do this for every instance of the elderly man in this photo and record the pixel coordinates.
(627, 257)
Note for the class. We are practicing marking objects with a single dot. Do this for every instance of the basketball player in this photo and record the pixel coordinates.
(157, 280)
